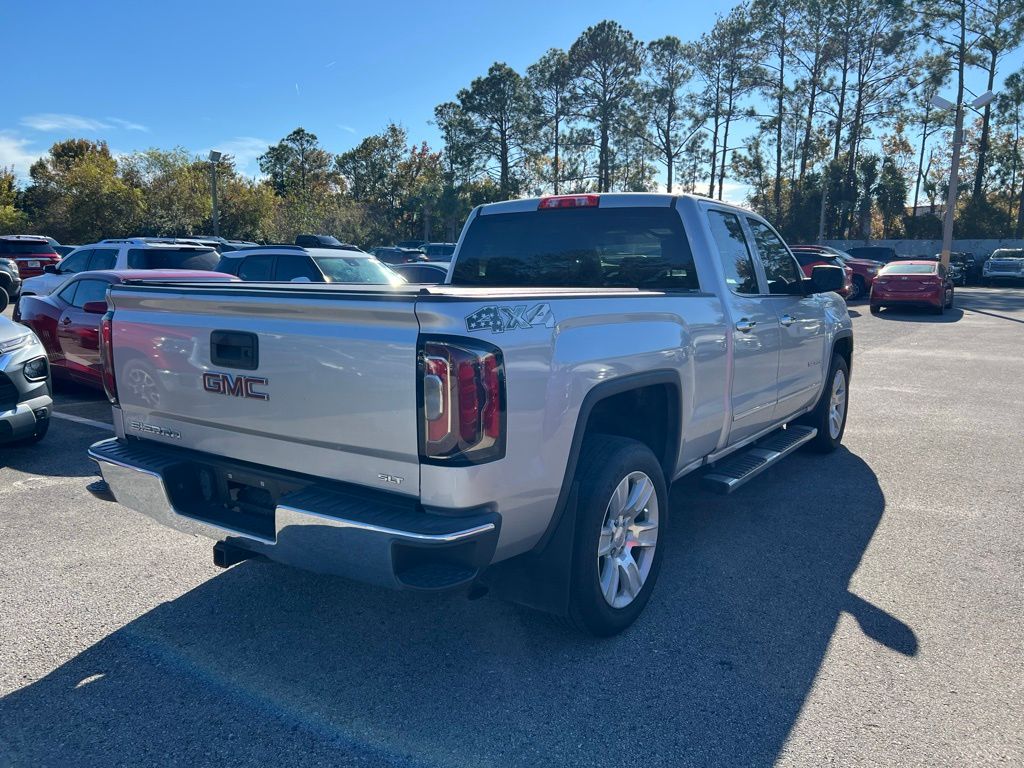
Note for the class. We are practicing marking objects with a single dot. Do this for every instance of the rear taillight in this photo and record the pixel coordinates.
(107, 356)
(462, 401)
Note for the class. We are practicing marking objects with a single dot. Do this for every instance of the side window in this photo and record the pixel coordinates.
(76, 262)
(737, 263)
(257, 267)
(103, 258)
(68, 293)
(90, 290)
(293, 267)
(784, 277)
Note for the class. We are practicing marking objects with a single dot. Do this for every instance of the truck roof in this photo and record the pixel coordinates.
(606, 200)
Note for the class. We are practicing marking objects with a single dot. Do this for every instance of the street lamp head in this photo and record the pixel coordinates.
(984, 100)
(215, 156)
(940, 103)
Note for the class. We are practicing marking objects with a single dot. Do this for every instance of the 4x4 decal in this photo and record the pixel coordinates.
(499, 319)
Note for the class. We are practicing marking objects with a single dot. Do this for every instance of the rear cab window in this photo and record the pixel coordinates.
(641, 247)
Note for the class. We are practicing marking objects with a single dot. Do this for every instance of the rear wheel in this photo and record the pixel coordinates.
(4, 299)
(949, 298)
(622, 509)
(876, 308)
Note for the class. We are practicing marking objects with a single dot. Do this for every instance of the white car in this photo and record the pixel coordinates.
(130, 253)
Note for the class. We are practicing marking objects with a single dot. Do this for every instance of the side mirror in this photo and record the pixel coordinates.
(50, 269)
(825, 278)
(95, 307)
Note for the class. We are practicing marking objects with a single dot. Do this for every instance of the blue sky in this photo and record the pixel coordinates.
(237, 76)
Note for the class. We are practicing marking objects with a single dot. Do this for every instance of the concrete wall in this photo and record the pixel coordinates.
(980, 248)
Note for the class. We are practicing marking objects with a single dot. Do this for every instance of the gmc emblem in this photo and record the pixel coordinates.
(235, 386)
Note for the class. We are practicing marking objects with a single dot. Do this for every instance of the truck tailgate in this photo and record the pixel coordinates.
(318, 382)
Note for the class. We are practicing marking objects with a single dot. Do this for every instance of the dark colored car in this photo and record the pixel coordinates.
(32, 253)
(398, 255)
(10, 282)
(967, 264)
(294, 264)
(882, 253)
(424, 272)
(439, 251)
(67, 321)
(922, 283)
(414, 244)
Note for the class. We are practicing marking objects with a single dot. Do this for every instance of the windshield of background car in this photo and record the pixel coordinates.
(1008, 253)
(440, 250)
(25, 247)
(173, 258)
(580, 248)
(356, 269)
(909, 269)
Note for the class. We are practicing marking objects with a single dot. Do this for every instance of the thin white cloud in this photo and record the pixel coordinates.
(329, 64)
(52, 121)
(128, 125)
(296, 89)
(347, 128)
(18, 153)
(244, 149)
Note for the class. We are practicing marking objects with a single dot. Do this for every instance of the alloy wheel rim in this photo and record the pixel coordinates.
(837, 405)
(629, 537)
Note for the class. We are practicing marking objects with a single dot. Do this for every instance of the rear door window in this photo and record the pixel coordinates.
(173, 258)
(103, 258)
(597, 247)
(295, 267)
(257, 267)
(733, 252)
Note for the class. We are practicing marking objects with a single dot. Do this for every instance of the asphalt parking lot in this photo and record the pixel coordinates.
(864, 608)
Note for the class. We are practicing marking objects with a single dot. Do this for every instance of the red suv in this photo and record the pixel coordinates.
(810, 259)
(30, 252)
(864, 270)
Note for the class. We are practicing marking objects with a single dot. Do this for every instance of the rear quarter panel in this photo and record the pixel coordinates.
(550, 370)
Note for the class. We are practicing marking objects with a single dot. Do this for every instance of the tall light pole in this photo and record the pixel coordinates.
(954, 170)
(214, 159)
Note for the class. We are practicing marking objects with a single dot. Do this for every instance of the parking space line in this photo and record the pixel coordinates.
(81, 420)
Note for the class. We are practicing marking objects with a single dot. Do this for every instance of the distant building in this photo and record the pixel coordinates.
(937, 210)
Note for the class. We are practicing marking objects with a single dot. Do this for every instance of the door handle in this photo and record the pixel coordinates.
(745, 325)
(787, 320)
(66, 321)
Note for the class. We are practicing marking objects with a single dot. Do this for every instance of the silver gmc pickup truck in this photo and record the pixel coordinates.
(514, 429)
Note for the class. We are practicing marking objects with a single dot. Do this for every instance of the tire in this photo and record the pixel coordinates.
(829, 438)
(952, 293)
(610, 471)
(4, 299)
(875, 309)
(42, 427)
(941, 309)
(858, 291)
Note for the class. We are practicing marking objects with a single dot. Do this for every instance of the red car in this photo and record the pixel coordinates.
(810, 259)
(912, 283)
(31, 252)
(67, 321)
(864, 270)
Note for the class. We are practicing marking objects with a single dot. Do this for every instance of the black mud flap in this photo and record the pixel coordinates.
(542, 578)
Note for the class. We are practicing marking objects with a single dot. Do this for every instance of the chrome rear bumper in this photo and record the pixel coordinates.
(366, 535)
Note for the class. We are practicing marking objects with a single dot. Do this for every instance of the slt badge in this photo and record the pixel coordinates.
(499, 319)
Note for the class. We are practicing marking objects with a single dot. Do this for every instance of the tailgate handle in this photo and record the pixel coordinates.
(235, 349)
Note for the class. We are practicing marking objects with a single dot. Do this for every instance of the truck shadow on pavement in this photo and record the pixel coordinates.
(272, 666)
